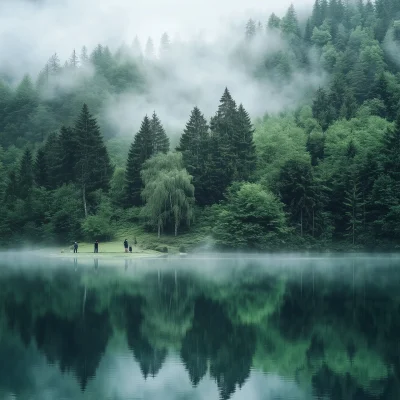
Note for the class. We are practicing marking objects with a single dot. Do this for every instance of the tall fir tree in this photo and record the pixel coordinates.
(194, 144)
(68, 152)
(140, 151)
(222, 162)
(52, 154)
(290, 24)
(25, 175)
(245, 163)
(93, 168)
(41, 169)
(159, 137)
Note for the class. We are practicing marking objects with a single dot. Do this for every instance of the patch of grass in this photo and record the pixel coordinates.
(196, 237)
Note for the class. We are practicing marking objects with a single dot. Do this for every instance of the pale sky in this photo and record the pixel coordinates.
(30, 33)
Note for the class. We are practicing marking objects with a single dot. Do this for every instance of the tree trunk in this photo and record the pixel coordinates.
(176, 228)
(159, 229)
(84, 200)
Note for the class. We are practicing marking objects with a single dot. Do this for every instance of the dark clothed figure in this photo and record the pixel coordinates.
(126, 245)
(75, 247)
(96, 246)
(130, 249)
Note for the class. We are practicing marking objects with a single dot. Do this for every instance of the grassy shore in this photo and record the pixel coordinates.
(114, 249)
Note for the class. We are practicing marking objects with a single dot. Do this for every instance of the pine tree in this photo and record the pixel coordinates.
(164, 45)
(316, 16)
(25, 175)
(149, 51)
(250, 29)
(140, 151)
(354, 207)
(290, 24)
(84, 58)
(93, 168)
(244, 146)
(390, 154)
(54, 64)
(52, 154)
(12, 190)
(321, 109)
(274, 22)
(159, 137)
(194, 147)
(73, 60)
(222, 156)
(137, 49)
(40, 169)
(68, 152)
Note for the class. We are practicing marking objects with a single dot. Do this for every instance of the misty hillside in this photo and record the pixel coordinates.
(302, 148)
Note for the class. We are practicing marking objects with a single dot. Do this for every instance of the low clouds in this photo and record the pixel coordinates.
(205, 34)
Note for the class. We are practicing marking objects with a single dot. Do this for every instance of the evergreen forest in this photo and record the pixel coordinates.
(323, 173)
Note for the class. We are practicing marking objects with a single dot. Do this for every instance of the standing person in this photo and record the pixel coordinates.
(126, 245)
(75, 247)
(130, 249)
(96, 246)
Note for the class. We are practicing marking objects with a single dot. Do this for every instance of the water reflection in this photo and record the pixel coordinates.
(228, 329)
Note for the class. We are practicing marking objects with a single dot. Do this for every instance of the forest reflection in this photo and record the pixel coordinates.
(330, 327)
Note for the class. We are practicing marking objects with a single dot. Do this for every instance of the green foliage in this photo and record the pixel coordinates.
(99, 227)
(150, 140)
(168, 192)
(252, 218)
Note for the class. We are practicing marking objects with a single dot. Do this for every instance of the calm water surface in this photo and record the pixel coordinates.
(290, 328)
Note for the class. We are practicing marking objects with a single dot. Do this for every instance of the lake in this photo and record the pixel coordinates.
(206, 327)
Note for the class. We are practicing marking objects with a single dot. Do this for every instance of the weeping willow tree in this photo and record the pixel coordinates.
(168, 191)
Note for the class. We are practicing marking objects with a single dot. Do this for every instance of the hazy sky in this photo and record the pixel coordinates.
(32, 30)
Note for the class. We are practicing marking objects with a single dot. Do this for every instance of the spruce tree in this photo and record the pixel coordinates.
(194, 144)
(250, 29)
(93, 168)
(68, 153)
(139, 152)
(25, 175)
(40, 169)
(273, 22)
(222, 153)
(52, 154)
(245, 161)
(290, 24)
(160, 140)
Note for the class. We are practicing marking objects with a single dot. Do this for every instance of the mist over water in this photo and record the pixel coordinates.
(221, 326)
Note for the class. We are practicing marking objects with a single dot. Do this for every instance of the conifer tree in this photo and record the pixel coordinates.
(354, 206)
(84, 57)
(245, 150)
(222, 155)
(25, 175)
(73, 60)
(139, 152)
(149, 50)
(52, 153)
(68, 152)
(290, 24)
(93, 168)
(40, 169)
(194, 144)
(250, 29)
(164, 45)
(273, 22)
(54, 64)
(160, 139)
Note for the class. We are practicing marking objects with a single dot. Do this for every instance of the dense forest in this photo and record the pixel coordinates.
(322, 174)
